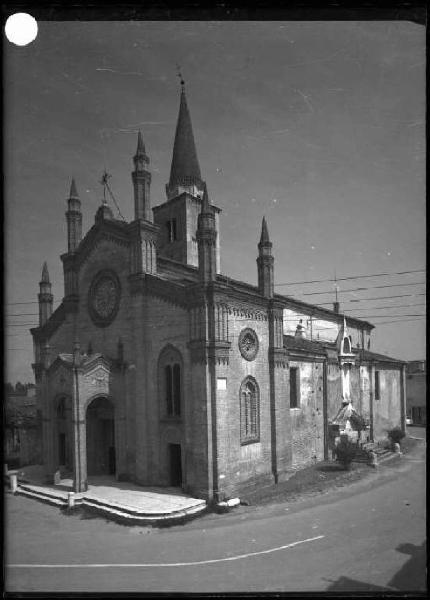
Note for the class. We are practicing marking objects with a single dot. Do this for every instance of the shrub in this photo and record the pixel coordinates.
(345, 452)
(395, 435)
(357, 422)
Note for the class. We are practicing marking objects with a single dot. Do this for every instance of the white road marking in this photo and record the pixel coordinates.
(179, 564)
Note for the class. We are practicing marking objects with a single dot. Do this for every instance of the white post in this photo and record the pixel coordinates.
(13, 478)
(71, 500)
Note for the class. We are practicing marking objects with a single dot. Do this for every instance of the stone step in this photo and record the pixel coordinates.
(117, 513)
(139, 512)
(41, 497)
(47, 493)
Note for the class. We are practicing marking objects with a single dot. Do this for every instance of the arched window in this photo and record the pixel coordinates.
(249, 411)
(346, 345)
(170, 383)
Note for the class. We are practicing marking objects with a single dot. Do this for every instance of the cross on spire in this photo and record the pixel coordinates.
(179, 74)
(104, 183)
(185, 168)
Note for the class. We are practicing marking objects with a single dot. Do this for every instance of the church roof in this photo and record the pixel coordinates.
(304, 345)
(367, 355)
(185, 165)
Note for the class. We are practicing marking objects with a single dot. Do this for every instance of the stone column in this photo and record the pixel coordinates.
(80, 483)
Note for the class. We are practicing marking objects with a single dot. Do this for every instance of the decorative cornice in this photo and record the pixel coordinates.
(241, 310)
(220, 352)
(202, 351)
(279, 357)
(346, 359)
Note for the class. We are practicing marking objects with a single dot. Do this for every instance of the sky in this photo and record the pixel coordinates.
(319, 126)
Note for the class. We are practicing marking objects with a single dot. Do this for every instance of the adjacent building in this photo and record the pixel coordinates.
(22, 432)
(159, 369)
(416, 392)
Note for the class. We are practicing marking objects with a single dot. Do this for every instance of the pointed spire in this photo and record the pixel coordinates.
(45, 297)
(264, 238)
(185, 166)
(73, 190)
(265, 263)
(140, 144)
(45, 273)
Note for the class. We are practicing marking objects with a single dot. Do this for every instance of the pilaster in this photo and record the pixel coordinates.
(279, 392)
(143, 252)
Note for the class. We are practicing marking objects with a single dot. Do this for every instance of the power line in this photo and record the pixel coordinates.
(393, 306)
(375, 298)
(399, 321)
(353, 277)
(360, 289)
(383, 316)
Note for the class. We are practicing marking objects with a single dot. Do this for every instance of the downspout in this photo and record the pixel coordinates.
(371, 388)
(213, 492)
(77, 465)
(325, 409)
(272, 394)
(403, 398)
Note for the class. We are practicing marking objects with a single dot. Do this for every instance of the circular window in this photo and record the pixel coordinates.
(248, 344)
(103, 298)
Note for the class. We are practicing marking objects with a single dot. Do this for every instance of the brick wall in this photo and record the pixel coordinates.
(307, 421)
(387, 410)
(238, 464)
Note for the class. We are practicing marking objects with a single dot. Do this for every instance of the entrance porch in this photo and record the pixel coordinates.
(116, 500)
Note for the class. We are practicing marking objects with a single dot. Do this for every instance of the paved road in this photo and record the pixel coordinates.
(369, 536)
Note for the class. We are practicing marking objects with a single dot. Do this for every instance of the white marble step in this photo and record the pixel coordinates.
(41, 497)
(142, 512)
(142, 517)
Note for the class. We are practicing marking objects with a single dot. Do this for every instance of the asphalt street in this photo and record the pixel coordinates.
(370, 535)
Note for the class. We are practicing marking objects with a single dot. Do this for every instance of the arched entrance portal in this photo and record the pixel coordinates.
(100, 437)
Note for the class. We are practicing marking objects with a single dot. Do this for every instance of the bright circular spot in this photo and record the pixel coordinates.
(21, 29)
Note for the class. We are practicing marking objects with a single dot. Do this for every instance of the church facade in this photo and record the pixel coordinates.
(158, 369)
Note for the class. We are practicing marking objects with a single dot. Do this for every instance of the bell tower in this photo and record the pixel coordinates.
(74, 219)
(141, 178)
(144, 233)
(45, 297)
(206, 240)
(265, 263)
(178, 216)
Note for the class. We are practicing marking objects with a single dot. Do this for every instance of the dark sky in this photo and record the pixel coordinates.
(319, 126)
